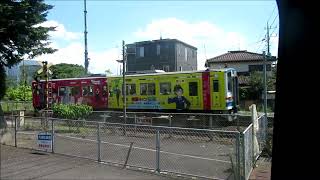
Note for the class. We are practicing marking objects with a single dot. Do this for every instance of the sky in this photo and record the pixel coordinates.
(214, 27)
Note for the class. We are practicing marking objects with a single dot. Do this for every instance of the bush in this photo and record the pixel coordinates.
(72, 112)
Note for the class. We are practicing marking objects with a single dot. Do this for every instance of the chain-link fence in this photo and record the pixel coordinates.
(150, 141)
(9, 106)
(253, 141)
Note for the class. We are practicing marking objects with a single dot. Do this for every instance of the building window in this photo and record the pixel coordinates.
(152, 67)
(165, 88)
(193, 89)
(255, 68)
(166, 68)
(140, 52)
(186, 54)
(158, 49)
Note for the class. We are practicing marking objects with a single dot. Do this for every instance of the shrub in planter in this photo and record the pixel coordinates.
(72, 112)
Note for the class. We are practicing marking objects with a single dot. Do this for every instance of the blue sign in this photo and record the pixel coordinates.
(44, 140)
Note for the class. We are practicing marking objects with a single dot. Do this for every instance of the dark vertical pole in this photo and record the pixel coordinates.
(86, 61)
(124, 82)
(158, 151)
(15, 131)
(52, 136)
(99, 142)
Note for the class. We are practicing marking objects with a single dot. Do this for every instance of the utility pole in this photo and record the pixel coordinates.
(266, 57)
(124, 82)
(86, 60)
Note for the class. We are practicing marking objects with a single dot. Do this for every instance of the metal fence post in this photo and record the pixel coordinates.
(52, 136)
(252, 143)
(158, 151)
(238, 161)
(15, 131)
(244, 156)
(99, 142)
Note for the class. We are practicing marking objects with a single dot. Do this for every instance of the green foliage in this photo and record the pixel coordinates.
(19, 93)
(63, 70)
(20, 33)
(256, 85)
(71, 111)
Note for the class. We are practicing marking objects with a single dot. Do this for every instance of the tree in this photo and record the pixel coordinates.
(256, 85)
(21, 36)
(108, 72)
(64, 70)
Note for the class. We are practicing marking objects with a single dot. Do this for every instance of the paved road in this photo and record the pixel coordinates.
(19, 163)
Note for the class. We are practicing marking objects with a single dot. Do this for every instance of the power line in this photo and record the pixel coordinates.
(267, 27)
(272, 12)
(274, 19)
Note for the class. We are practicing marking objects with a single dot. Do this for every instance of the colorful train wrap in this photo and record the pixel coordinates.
(190, 91)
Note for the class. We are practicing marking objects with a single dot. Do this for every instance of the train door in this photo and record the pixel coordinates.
(97, 98)
(232, 90)
(216, 89)
(194, 93)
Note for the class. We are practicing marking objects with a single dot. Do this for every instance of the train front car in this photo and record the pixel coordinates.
(211, 91)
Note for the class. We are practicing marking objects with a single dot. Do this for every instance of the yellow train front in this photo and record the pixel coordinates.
(213, 91)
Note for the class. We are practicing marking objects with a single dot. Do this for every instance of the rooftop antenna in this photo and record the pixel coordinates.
(160, 35)
(205, 53)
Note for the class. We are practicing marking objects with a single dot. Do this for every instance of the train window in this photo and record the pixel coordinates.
(165, 88)
(62, 91)
(143, 89)
(147, 89)
(229, 81)
(151, 88)
(87, 91)
(75, 91)
(131, 89)
(215, 86)
(104, 91)
(193, 89)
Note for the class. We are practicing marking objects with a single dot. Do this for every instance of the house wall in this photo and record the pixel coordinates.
(241, 67)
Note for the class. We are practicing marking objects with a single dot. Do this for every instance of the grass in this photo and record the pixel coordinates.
(64, 128)
(8, 107)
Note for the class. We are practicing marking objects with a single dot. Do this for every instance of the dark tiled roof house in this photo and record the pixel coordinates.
(243, 61)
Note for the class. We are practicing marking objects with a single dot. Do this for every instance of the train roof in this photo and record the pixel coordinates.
(96, 77)
(180, 72)
(148, 74)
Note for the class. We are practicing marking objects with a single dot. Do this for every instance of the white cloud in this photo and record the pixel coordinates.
(199, 34)
(103, 60)
(74, 54)
(60, 31)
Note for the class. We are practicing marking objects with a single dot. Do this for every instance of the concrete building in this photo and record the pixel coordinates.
(15, 73)
(164, 54)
